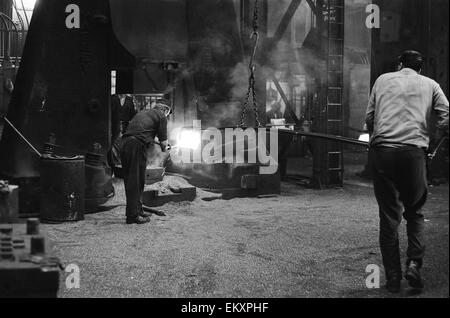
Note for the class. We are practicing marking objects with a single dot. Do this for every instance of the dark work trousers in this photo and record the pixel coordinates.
(399, 176)
(133, 155)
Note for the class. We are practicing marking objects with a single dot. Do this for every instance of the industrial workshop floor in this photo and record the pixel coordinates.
(304, 243)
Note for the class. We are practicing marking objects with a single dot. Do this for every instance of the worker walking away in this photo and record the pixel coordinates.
(397, 119)
(140, 134)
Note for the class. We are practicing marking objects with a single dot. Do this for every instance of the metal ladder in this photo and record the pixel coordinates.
(333, 117)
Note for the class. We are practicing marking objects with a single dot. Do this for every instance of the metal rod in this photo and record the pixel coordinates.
(440, 144)
(21, 136)
(328, 137)
(312, 135)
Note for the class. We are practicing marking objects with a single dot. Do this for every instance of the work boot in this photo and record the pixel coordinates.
(394, 282)
(138, 220)
(412, 275)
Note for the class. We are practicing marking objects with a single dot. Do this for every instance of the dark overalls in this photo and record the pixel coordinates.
(400, 183)
(142, 130)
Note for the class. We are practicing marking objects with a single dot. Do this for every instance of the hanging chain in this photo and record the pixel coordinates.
(251, 80)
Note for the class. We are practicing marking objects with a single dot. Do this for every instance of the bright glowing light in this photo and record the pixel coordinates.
(189, 139)
(364, 137)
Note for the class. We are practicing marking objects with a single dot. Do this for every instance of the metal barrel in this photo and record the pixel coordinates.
(62, 189)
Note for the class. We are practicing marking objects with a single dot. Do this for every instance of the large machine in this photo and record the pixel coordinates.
(63, 86)
(61, 90)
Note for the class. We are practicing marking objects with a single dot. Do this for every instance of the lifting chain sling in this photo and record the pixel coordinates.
(251, 79)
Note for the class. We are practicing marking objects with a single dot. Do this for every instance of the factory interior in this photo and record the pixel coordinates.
(291, 76)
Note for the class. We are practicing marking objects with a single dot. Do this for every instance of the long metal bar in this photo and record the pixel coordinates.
(313, 135)
(328, 137)
(21, 136)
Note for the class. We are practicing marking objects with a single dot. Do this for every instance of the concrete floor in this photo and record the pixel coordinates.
(304, 243)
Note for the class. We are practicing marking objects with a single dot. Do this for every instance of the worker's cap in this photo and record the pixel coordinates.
(166, 109)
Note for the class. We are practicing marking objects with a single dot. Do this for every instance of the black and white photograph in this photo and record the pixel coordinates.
(224, 156)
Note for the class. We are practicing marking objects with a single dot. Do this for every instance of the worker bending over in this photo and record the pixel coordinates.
(397, 118)
(140, 134)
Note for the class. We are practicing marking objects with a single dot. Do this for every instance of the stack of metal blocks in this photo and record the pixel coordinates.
(26, 269)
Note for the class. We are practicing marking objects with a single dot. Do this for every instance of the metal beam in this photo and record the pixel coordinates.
(287, 18)
(312, 6)
(278, 35)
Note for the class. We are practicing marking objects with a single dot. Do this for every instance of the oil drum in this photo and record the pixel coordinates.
(62, 189)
